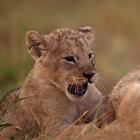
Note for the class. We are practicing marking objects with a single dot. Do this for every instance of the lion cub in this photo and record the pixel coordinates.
(60, 86)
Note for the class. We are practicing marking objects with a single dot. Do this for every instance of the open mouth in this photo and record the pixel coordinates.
(77, 90)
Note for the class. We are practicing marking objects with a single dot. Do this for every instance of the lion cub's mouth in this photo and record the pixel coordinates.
(77, 90)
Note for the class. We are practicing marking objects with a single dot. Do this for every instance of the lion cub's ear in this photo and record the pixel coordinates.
(89, 33)
(36, 44)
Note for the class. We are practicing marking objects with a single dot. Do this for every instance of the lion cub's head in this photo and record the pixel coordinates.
(66, 58)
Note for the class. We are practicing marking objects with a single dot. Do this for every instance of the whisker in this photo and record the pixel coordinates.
(98, 84)
(102, 86)
(77, 79)
(110, 71)
(106, 82)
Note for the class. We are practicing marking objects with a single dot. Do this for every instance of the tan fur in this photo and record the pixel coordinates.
(126, 99)
(43, 104)
(118, 92)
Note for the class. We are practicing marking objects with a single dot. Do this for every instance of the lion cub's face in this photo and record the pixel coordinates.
(66, 58)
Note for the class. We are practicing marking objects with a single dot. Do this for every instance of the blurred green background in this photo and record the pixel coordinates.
(117, 23)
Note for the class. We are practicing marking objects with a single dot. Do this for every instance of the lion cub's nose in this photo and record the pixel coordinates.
(88, 75)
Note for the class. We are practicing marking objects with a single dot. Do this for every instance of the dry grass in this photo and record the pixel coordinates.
(125, 127)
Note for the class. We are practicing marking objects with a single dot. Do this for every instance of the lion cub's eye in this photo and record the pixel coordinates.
(91, 56)
(69, 59)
